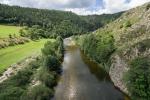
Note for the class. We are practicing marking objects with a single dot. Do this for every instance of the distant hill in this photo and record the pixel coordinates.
(54, 21)
(100, 20)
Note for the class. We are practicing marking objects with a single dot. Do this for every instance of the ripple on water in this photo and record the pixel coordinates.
(82, 79)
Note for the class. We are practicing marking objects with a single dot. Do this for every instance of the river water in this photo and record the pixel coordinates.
(83, 79)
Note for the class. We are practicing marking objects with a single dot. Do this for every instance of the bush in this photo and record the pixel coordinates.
(52, 63)
(23, 77)
(47, 77)
(103, 44)
(49, 49)
(11, 93)
(13, 41)
(127, 24)
(138, 78)
(39, 92)
(15, 86)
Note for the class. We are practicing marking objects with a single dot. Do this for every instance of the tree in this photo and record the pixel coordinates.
(138, 78)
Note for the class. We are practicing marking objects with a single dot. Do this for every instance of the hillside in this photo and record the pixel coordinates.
(101, 20)
(122, 47)
(53, 22)
(113, 63)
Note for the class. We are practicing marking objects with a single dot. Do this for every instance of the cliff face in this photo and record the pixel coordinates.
(128, 38)
(132, 42)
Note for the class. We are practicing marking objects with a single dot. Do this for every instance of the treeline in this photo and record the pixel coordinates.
(53, 22)
(100, 20)
(49, 20)
(98, 47)
(44, 71)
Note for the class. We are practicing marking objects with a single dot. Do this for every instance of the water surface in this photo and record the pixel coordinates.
(83, 79)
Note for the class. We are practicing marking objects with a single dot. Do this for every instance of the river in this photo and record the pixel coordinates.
(83, 79)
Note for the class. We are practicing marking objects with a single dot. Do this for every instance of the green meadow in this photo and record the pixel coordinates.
(5, 30)
(14, 54)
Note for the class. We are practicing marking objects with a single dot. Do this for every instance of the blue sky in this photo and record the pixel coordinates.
(99, 3)
(81, 7)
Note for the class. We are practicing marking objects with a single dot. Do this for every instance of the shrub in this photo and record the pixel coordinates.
(103, 44)
(127, 24)
(39, 92)
(47, 77)
(52, 63)
(11, 93)
(138, 78)
(15, 86)
(23, 77)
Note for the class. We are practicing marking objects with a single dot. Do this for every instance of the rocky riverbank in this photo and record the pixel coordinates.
(13, 69)
(116, 72)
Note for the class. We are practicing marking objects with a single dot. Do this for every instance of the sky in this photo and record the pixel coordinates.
(81, 7)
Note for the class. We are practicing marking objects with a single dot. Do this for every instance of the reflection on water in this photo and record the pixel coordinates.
(84, 80)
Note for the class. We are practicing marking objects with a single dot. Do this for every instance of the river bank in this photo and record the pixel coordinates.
(84, 81)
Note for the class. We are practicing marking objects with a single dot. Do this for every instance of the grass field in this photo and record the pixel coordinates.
(11, 55)
(5, 30)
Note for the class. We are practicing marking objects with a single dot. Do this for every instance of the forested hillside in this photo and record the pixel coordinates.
(100, 20)
(52, 22)
(119, 43)
(122, 48)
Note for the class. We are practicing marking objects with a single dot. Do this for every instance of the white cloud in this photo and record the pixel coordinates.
(110, 6)
(51, 4)
(81, 7)
(121, 5)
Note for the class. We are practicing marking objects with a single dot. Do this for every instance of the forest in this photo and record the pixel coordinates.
(118, 43)
(53, 22)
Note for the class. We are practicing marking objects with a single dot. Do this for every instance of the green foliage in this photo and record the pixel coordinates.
(52, 22)
(98, 47)
(52, 54)
(11, 93)
(60, 48)
(23, 77)
(138, 78)
(103, 45)
(6, 30)
(16, 53)
(49, 71)
(98, 21)
(52, 63)
(12, 41)
(39, 92)
(34, 33)
(16, 86)
(127, 24)
(49, 49)
(47, 78)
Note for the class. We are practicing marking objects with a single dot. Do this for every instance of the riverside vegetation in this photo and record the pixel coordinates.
(120, 46)
(48, 68)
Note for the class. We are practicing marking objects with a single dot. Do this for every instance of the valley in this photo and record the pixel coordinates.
(59, 55)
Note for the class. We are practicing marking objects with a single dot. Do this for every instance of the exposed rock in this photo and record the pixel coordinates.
(13, 69)
(117, 70)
